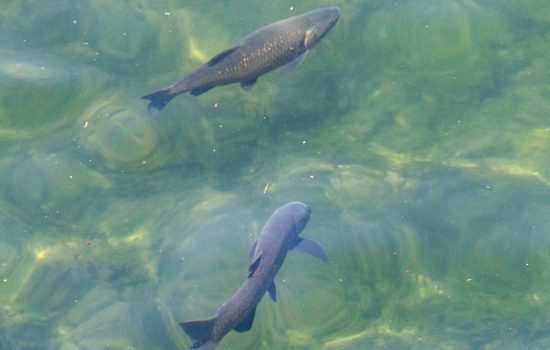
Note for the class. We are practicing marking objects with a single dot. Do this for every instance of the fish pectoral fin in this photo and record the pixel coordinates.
(246, 324)
(252, 268)
(272, 291)
(199, 331)
(200, 91)
(313, 36)
(221, 56)
(248, 84)
(252, 249)
(290, 66)
(312, 248)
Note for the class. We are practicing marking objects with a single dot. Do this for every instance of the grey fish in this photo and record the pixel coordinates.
(281, 43)
(278, 236)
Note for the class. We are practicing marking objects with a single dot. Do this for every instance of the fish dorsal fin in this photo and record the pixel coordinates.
(272, 291)
(311, 247)
(220, 57)
(252, 268)
(290, 66)
(252, 249)
(246, 324)
(199, 331)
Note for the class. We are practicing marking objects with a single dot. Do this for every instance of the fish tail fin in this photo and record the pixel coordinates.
(200, 333)
(157, 100)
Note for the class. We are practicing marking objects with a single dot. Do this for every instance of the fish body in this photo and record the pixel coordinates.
(279, 235)
(281, 43)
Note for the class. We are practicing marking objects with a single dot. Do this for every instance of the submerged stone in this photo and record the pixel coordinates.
(120, 134)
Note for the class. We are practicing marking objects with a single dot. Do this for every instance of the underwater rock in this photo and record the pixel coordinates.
(12, 274)
(41, 25)
(41, 282)
(533, 10)
(41, 94)
(218, 135)
(103, 319)
(445, 46)
(292, 179)
(109, 328)
(51, 187)
(355, 187)
(120, 134)
(115, 37)
(215, 233)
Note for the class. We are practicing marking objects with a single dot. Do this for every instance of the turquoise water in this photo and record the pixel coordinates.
(417, 131)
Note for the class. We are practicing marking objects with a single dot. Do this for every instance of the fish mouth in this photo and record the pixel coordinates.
(335, 12)
(301, 215)
(332, 15)
(329, 17)
(307, 209)
(325, 17)
(304, 207)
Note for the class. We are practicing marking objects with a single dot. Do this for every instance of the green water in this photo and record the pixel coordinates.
(417, 131)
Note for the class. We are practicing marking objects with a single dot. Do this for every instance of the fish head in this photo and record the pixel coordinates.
(319, 23)
(300, 214)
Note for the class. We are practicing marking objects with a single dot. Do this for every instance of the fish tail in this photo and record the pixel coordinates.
(200, 333)
(157, 100)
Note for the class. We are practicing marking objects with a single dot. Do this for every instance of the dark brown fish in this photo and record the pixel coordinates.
(278, 44)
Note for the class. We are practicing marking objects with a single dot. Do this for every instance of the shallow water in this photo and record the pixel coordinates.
(417, 132)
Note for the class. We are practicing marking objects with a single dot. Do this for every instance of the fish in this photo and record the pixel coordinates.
(283, 43)
(279, 235)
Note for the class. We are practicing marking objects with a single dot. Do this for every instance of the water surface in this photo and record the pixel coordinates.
(417, 132)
